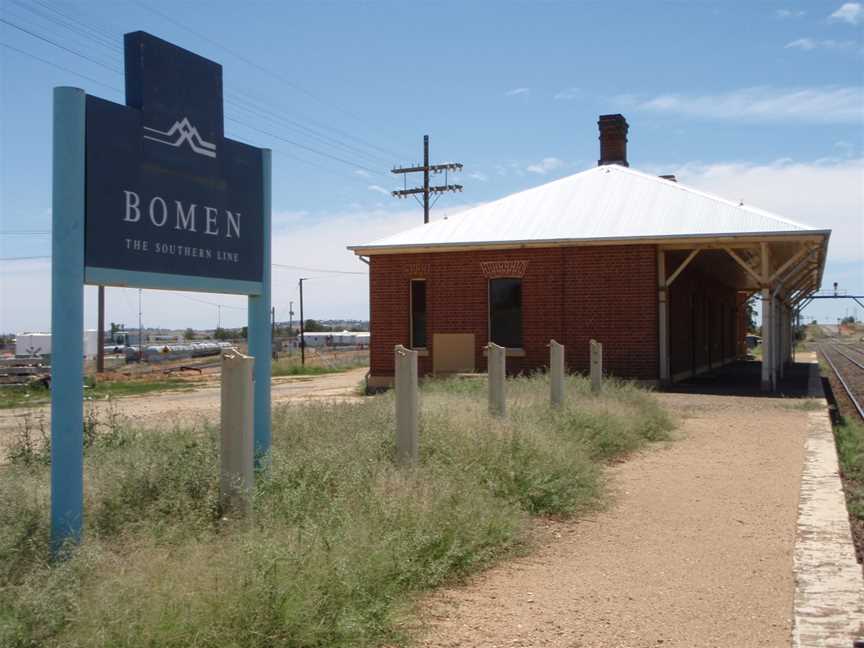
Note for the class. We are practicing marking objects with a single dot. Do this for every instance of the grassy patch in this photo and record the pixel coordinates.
(341, 540)
(291, 365)
(806, 405)
(40, 395)
(850, 451)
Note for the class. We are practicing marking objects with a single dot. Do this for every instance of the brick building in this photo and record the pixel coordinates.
(656, 271)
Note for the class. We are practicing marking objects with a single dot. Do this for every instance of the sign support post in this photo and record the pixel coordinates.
(67, 317)
(260, 329)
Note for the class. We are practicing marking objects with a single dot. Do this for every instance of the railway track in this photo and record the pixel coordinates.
(847, 364)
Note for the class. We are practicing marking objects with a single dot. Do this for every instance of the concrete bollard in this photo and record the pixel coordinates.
(237, 449)
(406, 405)
(596, 366)
(556, 373)
(497, 369)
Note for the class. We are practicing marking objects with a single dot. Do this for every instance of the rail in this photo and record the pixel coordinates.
(843, 382)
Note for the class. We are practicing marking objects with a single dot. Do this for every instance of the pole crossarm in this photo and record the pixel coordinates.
(433, 168)
(402, 193)
(426, 190)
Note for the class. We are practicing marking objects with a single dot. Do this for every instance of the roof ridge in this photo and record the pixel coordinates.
(712, 196)
(610, 206)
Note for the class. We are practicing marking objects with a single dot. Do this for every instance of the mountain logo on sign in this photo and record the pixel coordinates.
(183, 131)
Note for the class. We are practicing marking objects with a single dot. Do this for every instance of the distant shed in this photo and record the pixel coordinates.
(657, 271)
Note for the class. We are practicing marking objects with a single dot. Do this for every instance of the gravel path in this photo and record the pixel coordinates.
(696, 549)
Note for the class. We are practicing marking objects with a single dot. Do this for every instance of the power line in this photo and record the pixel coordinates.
(260, 112)
(60, 67)
(258, 66)
(70, 23)
(107, 42)
(84, 76)
(63, 47)
(293, 267)
(24, 258)
(304, 147)
(228, 118)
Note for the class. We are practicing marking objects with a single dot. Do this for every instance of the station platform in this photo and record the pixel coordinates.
(744, 378)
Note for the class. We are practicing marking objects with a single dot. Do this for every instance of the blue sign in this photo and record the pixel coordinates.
(150, 195)
(167, 193)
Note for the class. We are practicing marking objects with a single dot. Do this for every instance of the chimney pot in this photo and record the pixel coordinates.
(670, 177)
(613, 140)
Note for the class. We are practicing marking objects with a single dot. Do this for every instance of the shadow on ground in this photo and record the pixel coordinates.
(744, 378)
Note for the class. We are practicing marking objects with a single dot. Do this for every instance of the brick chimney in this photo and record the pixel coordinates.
(613, 140)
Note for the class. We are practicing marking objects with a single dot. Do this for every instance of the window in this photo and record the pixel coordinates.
(418, 313)
(505, 312)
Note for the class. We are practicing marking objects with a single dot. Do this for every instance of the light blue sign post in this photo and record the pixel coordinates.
(260, 332)
(150, 194)
(67, 317)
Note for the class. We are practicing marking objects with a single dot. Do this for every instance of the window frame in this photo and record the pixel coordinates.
(521, 347)
(411, 344)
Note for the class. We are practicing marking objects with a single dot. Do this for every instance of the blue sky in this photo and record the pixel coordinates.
(762, 101)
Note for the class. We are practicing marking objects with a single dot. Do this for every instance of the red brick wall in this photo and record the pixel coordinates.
(570, 294)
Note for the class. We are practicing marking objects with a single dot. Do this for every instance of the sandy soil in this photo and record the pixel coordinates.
(172, 407)
(695, 550)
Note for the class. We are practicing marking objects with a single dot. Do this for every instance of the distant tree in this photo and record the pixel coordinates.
(222, 334)
(814, 323)
(848, 320)
(189, 334)
(314, 326)
(114, 328)
(244, 332)
(751, 314)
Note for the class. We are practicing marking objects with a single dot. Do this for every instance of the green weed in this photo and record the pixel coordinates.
(341, 540)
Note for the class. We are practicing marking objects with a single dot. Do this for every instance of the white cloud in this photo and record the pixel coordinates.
(827, 104)
(850, 12)
(482, 177)
(545, 165)
(802, 43)
(808, 44)
(378, 189)
(515, 92)
(362, 173)
(568, 94)
(824, 194)
(789, 13)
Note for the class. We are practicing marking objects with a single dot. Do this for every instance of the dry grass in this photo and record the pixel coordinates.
(341, 541)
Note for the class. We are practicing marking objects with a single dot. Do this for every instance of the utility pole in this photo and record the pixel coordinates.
(272, 333)
(426, 190)
(290, 323)
(218, 317)
(302, 339)
(100, 333)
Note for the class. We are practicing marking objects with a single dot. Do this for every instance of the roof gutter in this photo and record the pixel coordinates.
(412, 248)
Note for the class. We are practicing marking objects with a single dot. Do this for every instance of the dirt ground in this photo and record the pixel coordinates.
(695, 549)
(203, 402)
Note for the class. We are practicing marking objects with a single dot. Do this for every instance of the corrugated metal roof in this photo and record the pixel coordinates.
(607, 202)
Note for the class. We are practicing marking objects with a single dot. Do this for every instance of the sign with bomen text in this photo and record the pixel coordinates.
(150, 194)
(167, 194)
